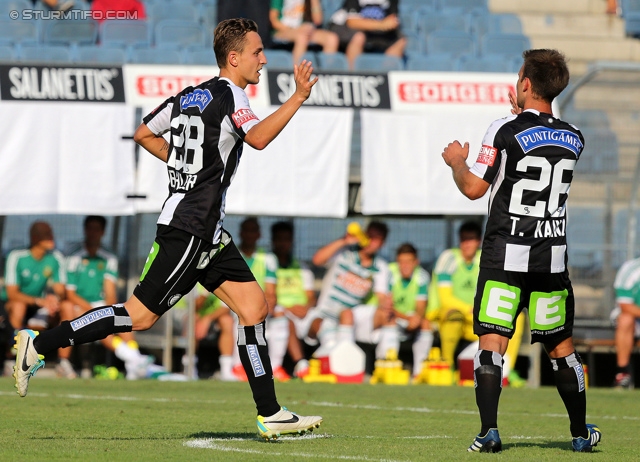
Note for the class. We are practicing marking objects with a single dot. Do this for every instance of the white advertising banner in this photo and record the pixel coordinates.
(60, 157)
(402, 168)
(148, 85)
(303, 172)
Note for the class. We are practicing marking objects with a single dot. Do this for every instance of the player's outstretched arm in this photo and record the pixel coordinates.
(455, 156)
(156, 145)
(266, 130)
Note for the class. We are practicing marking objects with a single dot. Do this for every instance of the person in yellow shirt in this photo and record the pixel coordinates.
(455, 277)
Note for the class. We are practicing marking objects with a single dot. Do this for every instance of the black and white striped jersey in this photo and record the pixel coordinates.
(207, 124)
(529, 161)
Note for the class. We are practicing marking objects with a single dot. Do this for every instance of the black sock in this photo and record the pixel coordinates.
(254, 355)
(569, 376)
(622, 369)
(94, 325)
(488, 378)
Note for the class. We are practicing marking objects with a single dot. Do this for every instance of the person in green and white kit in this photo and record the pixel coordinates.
(34, 281)
(409, 291)
(92, 275)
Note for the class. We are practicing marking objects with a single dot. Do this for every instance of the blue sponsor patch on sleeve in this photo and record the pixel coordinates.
(197, 98)
(542, 136)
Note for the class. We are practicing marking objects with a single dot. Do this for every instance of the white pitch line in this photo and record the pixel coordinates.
(213, 443)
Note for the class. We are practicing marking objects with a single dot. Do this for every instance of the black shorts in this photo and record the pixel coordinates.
(179, 260)
(502, 295)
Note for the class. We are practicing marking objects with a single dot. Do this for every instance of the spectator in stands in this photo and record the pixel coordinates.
(34, 281)
(92, 275)
(300, 22)
(258, 10)
(104, 9)
(409, 291)
(355, 274)
(59, 6)
(295, 292)
(368, 26)
(626, 315)
(612, 6)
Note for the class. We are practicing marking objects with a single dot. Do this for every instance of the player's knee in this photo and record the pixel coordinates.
(346, 317)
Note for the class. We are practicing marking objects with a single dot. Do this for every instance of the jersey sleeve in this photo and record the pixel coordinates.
(60, 271)
(111, 272)
(352, 7)
(11, 269)
(627, 283)
(240, 114)
(445, 267)
(382, 278)
(73, 262)
(271, 264)
(308, 280)
(487, 164)
(159, 120)
(423, 285)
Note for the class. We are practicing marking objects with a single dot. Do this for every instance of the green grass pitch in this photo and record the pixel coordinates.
(94, 420)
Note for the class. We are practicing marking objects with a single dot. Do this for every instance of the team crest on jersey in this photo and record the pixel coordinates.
(536, 137)
(487, 155)
(197, 98)
(242, 116)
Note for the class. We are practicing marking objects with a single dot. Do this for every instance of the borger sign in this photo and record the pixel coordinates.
(416, 90)
(150, 85)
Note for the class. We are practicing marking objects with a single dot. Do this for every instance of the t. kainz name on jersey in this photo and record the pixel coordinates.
(181, 181)
(551, 228)
(542, 136)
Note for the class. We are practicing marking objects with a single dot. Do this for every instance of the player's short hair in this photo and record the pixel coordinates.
(281, 227)
(229, 35)
(380, 227)
(470, 227)
(407, 248)
(548, 72)
(40, 231)
(102, 221)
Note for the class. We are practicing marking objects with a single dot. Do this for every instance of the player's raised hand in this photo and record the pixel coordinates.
(302, 74)
(455, 152)
(513, 99)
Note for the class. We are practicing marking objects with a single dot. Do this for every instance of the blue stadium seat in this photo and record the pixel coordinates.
(451, 41)
(432, 62)
(311, 56)
(68, 32)
(491, 63)
(95, 54)
(629, 6)
(154, 56)
(491, 23)
(46, 54)
(279, 59)
(409, 6)
(332, 61)
(415, 43)
(376, 62)
(463, 6)
(204, 56)
(7, 53)
(632, 24)
(600, 154)
(504, 44)
(126, 33)
(459, 22)
(208, 15)
(173, 9)
(7, 6)
(179, 33)
(18, 31)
